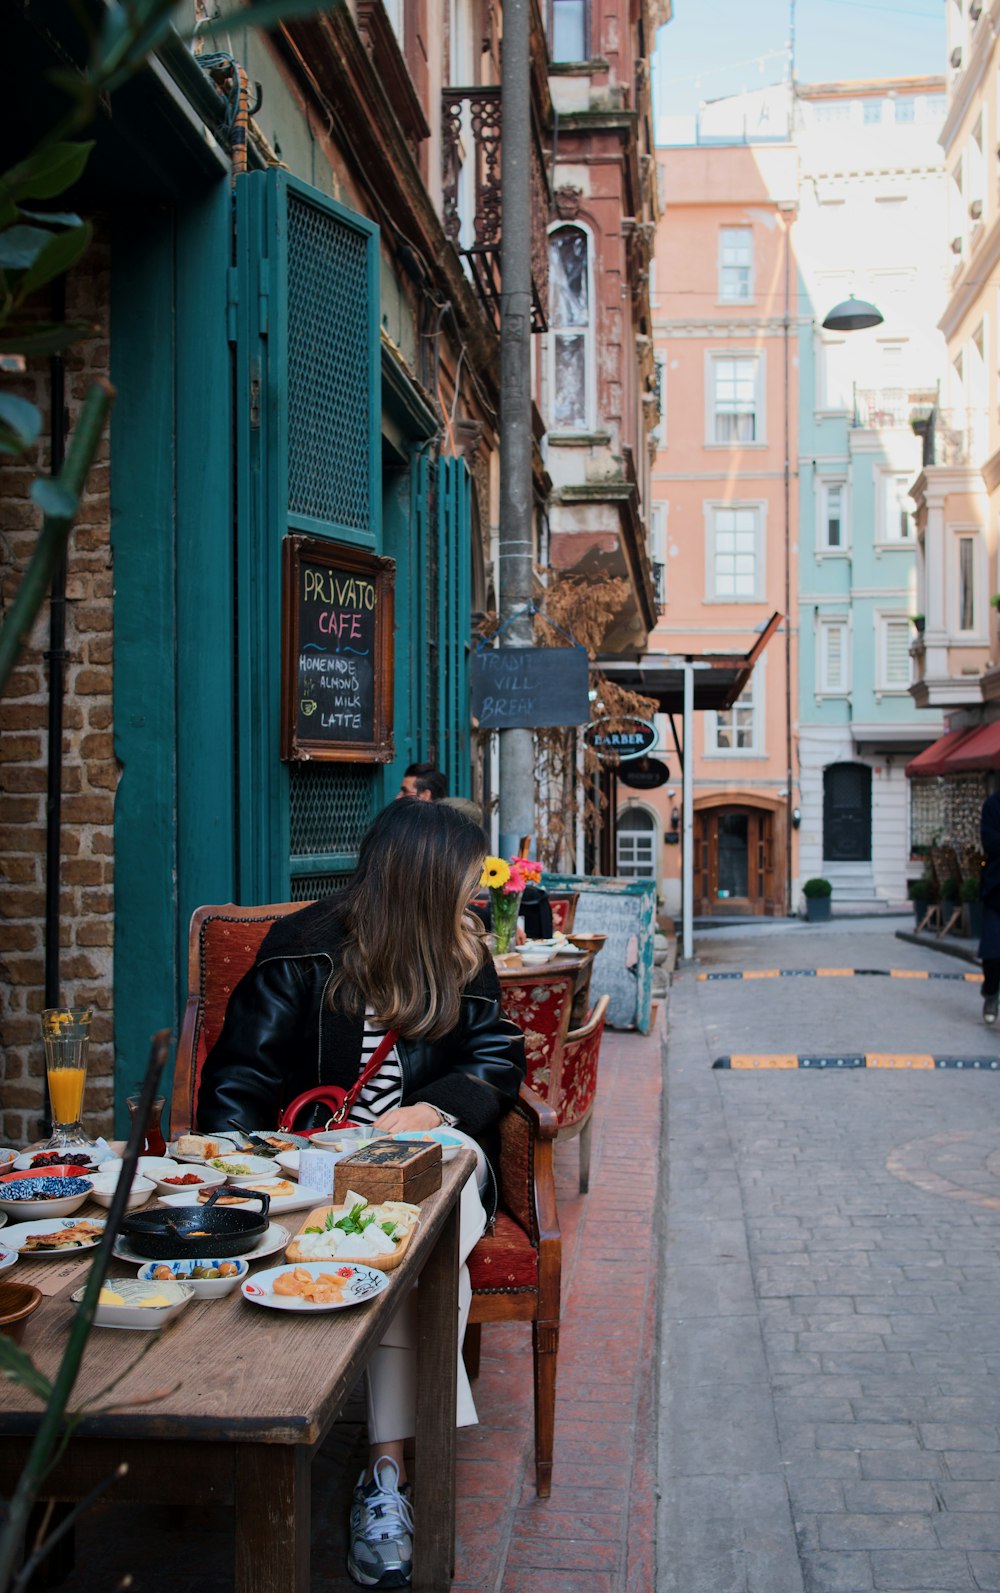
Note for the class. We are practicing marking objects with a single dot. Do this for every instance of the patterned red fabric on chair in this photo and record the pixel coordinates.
(222, 944)
(563, 905)
(578, 1085)
(516, 1267)
(540, 1004)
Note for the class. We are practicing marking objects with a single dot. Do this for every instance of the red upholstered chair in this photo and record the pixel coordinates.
(563, 904)
(222, 944)
(516, 1267)
(540, 1004)
(578, 1085)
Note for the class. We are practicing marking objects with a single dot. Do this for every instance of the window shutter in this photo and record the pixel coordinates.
(897, 652)
(834, 657)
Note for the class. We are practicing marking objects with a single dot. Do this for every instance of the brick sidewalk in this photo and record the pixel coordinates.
(596, 1534)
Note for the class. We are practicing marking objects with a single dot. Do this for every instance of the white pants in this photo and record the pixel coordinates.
(391, 1378)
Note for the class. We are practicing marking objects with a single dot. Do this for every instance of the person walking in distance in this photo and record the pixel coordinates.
(989, 890)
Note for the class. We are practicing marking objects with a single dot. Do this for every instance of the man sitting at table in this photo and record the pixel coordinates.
(395, 953)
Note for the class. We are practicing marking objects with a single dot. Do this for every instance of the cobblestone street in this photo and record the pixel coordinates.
(829, 1414)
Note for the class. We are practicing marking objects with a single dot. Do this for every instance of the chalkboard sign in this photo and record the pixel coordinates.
(625, 911)
(337, 639)
(530, 687)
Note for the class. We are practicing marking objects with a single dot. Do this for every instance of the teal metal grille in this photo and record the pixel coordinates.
(330, 807)
(329, 464)
(309, 887)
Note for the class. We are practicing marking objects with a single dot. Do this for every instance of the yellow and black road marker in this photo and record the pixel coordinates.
(842, 973)
(902, 1061)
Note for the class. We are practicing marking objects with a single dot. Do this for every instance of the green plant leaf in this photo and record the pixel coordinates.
(62, 252)
(47, 172)
(17, 1367)
(52, 499)
(21, 418)
(55, 218)
(33, 338)
(21, 246)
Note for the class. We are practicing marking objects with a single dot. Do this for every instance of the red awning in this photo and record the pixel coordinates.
(934, 758)
(979, 750)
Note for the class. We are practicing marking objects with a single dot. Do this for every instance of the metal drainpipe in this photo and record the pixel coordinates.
(55, 658)
(789, 788)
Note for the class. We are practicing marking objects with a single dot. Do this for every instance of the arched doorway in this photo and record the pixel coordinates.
(847, 813)
(734, 854)
(635, 845)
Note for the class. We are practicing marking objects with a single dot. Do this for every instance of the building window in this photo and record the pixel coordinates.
(833, 516)
(394, 11)
(636, 844)
(736, 265)
(736, 407)
(966, 594)
(832, 673)
(568, 30)
(905, 109)
(897, 508)
(894, 662)
(658, 550)
(659, 431)
(835, 373)
(735, 561)
(570, 327)
(736, 729)
(872, 110)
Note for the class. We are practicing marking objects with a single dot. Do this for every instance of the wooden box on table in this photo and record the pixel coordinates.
(390, 1170)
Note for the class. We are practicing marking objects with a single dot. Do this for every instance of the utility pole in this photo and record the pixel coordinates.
(517, 747)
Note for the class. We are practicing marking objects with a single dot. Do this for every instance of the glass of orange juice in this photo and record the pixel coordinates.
(66, 1033)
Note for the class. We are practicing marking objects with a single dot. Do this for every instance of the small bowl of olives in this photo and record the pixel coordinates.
(209, 1279)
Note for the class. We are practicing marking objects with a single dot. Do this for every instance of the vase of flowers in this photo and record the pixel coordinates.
(505, 881)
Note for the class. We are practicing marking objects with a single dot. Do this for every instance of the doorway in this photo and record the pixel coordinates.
(847, 813)
(734, 860)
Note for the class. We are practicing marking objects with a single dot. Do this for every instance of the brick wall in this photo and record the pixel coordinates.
(90, 773)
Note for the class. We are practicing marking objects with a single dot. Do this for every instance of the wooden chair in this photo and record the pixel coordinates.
(574, 1104)
(222, 945)
(563, 905)
(947, 877)
(516, 1267)
(540, 1004)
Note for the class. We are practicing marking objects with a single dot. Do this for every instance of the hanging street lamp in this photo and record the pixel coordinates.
(852, 315)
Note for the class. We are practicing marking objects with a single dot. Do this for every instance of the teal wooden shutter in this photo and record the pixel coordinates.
(308, 398)
(454, 600)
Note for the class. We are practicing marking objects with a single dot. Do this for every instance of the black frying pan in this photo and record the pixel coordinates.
(163, 1233)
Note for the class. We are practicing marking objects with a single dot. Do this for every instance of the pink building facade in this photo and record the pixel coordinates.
(724, 502)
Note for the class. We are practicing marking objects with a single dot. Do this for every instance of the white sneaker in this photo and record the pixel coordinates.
(381, 1552)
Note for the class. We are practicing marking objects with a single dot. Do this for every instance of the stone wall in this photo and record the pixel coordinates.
(90, 773)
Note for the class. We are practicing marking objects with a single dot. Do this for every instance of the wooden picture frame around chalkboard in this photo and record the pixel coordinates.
(337, 612)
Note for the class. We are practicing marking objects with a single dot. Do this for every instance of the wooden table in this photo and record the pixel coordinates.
(512, 969)
(248, 1395)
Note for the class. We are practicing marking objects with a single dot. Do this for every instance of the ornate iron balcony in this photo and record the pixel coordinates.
(474, 135)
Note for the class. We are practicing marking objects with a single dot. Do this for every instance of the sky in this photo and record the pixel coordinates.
(712, 48)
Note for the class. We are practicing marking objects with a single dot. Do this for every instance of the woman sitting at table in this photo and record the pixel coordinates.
(396, 950)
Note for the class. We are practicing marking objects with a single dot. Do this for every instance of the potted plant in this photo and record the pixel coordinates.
(973, 907)
(917, 621)
(920, 891)
(817, 893)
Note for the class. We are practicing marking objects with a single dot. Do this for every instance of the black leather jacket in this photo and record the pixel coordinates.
(281, 1038)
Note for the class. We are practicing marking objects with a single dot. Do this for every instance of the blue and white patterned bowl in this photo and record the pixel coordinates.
(204, 1288)
(27, 1198)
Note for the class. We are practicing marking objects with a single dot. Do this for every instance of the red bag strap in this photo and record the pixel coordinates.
(340, 1101)
(369, 1071)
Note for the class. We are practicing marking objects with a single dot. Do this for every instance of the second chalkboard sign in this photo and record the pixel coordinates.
(337, 652)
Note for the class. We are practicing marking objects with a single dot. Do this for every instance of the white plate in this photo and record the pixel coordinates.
(134, 1316)
(8, 1158)
(301, 1200)
(365, 1283)
(288, 1161)
(450, 1143)
(8, 1258)
(17, 1233)
(156, 1167)
(271, 1243)
(208, 1176)
(258, 1167)
(220, 1139)
(103, 1192)
(25, 1159)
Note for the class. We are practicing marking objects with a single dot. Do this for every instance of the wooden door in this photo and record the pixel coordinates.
(734, 860)
(847, 813)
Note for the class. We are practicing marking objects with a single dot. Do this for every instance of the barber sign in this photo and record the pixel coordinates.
(617, 740)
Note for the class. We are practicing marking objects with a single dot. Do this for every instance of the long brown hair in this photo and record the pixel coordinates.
(410, 945)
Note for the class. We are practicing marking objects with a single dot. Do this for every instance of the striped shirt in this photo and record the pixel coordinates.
(385, 1090)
